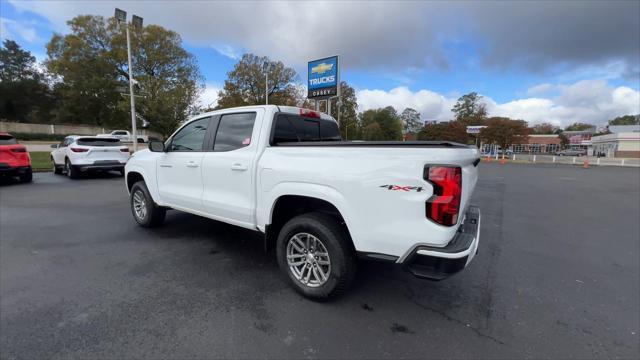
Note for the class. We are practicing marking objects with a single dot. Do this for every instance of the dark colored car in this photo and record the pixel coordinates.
(14, 158)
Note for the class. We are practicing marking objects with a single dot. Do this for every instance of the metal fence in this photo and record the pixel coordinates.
(570, 160)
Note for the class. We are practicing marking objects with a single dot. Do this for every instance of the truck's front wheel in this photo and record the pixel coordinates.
(314, 252)
(144, 209)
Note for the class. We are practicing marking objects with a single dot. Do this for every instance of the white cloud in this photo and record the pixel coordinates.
(592, 101)
(431, 105)
(10, 29)
(228, 51)
(540, 89)
(209, 96)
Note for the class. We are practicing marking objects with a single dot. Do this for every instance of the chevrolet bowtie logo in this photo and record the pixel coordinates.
(321, 68)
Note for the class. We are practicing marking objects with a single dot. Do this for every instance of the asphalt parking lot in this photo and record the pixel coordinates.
(557, 275)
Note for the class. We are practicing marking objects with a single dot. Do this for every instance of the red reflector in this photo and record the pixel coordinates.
(124, 149)
(79, 150)
(309, 113)
(19, 150)
(444, 206)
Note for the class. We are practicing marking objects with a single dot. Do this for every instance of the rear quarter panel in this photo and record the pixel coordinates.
(352, 179)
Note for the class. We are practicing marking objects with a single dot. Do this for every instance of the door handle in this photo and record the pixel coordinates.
(192, 164)
(239, 167)
(165, 166)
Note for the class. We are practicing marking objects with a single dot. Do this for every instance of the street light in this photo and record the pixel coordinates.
(266, 67)
(121, 17)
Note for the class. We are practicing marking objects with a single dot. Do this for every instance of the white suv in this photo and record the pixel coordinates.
(78, 154)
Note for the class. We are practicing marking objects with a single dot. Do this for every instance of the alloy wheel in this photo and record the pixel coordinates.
(308, 259)
(139, 205)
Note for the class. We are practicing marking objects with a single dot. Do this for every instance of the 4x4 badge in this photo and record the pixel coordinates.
(402, 188)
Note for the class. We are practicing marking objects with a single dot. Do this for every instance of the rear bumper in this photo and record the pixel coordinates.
(101, 165)
(13, 170)
(437, 263)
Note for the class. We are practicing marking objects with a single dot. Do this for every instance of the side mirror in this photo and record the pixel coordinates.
(54, 146)
(156, 146)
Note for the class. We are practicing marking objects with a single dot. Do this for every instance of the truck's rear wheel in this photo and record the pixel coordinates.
(315, 253)
(144, 209)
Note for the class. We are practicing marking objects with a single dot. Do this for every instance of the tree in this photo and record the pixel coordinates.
(91, 65)
(444, 131)
(411, 120)
(24, 95)
(505, 132)
(245, 84)
(578, 126)
(16, 64)
(386, 118)
(373, 132)
(348, 110)
(564, 140)
(544, 129)
(626, 120)
(470, 110)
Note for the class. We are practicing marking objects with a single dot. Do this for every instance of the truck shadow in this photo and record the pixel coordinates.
(245, 249)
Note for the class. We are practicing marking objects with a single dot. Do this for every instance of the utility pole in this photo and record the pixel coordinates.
(134, 128)
(266, 67)
(266, 87)
(121, 17)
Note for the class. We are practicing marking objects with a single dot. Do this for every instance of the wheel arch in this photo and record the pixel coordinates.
(289, 205)
(133, 177)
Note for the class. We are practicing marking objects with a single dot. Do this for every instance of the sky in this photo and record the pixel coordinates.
(558, 62)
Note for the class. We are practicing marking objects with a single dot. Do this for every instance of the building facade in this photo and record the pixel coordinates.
(622, 144)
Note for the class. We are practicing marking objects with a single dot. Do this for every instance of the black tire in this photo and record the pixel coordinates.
(56, 169)
(340, 252)
(72, 171)
(154, 214)
(27, 176)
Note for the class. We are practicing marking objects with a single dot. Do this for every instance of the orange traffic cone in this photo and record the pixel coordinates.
(585, 164)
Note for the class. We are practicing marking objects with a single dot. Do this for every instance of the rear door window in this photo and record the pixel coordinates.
(234, 131)
(7, 140)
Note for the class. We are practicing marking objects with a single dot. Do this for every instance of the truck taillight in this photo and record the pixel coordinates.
(309, 113)
(79, 150)
(444, 206)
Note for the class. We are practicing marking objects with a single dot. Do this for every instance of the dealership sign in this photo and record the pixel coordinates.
(323, 78)
(474, 129)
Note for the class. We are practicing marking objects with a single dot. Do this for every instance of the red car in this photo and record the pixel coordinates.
(14, 158)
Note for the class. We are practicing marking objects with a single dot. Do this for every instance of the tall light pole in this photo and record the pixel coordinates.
(121, 17)
(266, 67)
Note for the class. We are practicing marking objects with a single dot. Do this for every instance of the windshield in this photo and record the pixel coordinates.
(98, 142)
(7, 140)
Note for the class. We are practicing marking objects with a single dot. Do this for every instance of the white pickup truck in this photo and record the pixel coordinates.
(322, 202)
(125, 136)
